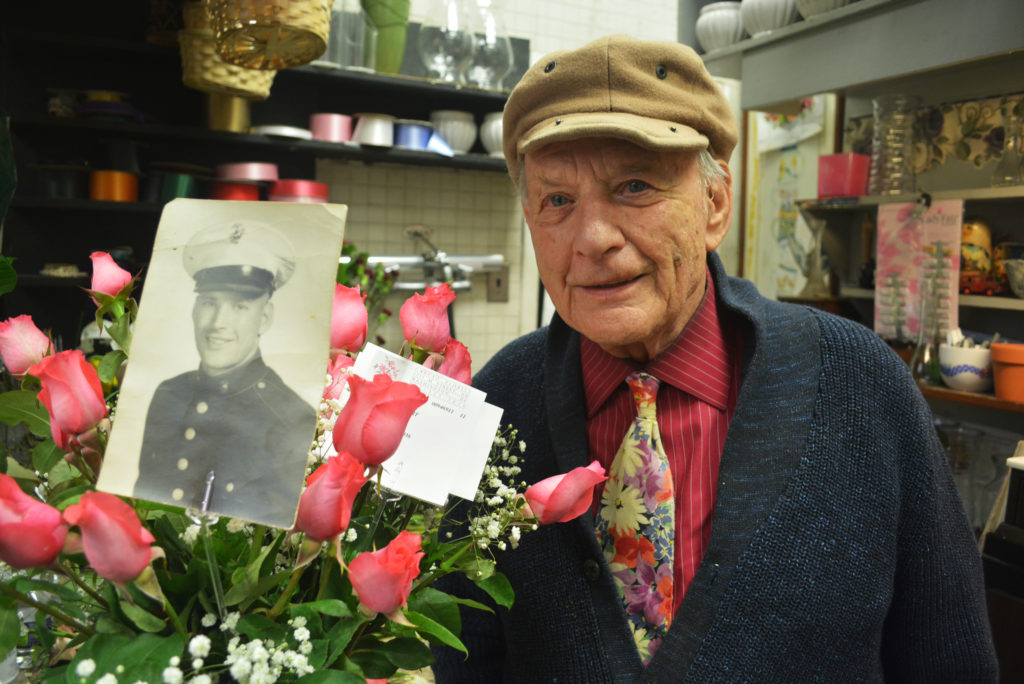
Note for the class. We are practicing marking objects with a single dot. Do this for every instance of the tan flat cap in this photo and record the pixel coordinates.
(657, 95)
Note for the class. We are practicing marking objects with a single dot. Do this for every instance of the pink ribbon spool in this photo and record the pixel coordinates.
(331, 127)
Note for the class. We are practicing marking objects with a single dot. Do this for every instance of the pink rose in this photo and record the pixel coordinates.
(31, 532)
(348, 319)
(561, 498)
(383, 579)
(22, 344)
(326, 504)
(424, 318)
(372, 423)
(457, 362)
(107, 276)
(115, 542)
(338, 369)
(71, 393)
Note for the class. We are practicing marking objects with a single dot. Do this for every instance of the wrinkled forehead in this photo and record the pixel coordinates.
(603, 155)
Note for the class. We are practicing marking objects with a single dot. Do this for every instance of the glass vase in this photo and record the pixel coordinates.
(892, 145)
(492, 49)
(1008, 168)
(445, 41)
(934, 319)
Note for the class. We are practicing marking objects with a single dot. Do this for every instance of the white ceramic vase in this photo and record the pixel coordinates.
(762, 16)
(810, 8)
(456, 127)
(490, 134)
(719, 25)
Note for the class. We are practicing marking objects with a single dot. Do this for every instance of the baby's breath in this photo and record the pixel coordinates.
(499, 494)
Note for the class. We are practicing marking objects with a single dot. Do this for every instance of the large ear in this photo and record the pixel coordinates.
(719, 205)
(268, 316)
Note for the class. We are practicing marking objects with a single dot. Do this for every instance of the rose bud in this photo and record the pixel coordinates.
(22, 344)
(424, 318)
(383, 579)
(348, 319)
(372, 423)
(326, 504)
(457, 362)
(107, 276)
(32, 533)
(561, 498)
(71, 392)
(115, 542)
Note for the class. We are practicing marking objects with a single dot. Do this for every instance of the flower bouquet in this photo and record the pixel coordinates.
(136, 591)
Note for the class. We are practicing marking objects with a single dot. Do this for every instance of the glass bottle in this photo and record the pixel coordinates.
(1008, 168)
(492, 53)
(892, 145)
(445, 41)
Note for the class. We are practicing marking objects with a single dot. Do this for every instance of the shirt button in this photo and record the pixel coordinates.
(178, 494)
(202, 407)
(261, 384)
(591, 569)
(224, 387)
(182, 464)
(230, 487)
(190, 433)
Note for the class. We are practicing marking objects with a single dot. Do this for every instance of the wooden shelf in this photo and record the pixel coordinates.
(976, 301)
(61, 204)
(1015, 192)
(973, 398)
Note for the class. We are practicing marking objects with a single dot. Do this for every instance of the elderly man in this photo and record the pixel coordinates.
(779, 509)
(233, 416)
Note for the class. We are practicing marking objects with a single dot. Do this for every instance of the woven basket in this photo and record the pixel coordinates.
(203, 69)
(271, 34)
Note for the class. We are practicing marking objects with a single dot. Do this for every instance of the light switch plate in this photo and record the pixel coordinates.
(497, 285)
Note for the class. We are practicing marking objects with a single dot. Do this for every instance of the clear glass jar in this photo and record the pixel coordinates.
(492, 50)
(445, 41)
(1008, 168)
(892, 145)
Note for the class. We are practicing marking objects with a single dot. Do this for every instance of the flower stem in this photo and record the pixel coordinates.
(257, 542)
(282, 601)
(175, 620)
(325, 573)
(58, 615)
(82, 585)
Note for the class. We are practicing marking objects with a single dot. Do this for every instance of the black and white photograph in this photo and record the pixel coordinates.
(228, 357)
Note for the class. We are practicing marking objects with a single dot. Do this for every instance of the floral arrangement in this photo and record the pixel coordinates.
(133, 591)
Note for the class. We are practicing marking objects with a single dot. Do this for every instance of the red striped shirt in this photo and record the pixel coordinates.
(699, 384)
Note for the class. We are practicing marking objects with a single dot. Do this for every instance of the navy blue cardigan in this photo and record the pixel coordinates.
(839, 549)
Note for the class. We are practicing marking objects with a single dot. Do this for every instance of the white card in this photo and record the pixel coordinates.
(447, 441)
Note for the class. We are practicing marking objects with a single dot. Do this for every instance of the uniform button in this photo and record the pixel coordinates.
(202, 407)
(178, 494)
(182, 464)
(230, 487)
(261, 384)
(591, 569)
(224, 387)
(190, 433)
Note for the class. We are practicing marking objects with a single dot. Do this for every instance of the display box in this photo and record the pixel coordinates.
(842, 175)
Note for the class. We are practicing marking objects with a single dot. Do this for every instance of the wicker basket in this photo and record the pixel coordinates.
(196, 16)
(271, 34)
(203, 69)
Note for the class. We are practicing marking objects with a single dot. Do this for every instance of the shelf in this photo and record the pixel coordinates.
(52, 204)
(976, 301)
(39, 280)
(865, 201)
(973, 398)
(259, 144)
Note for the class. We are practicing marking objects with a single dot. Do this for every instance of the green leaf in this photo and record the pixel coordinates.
(340, 635)
(143, 656)
(498, 588)
(22, 406)
(428, 628)
(470, 603)
(478, 569)
(121, 332)
(245, 581)
(438, 606)
(142, 618)
(10, 625)
(407, 653)
(331, 607)
(262, 627)
(333, 677)
(8, 277)
(45, 455)
(62, 591)
(110, 364)
(373, 663)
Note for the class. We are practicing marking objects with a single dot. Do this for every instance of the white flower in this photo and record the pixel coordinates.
(199, 646)
(175, 661)
(306, 647)
(240, 669)
(191, 534)
(209, 620)
(351, 535)
(522, 446)
(197, 663)
(230, 622)
(107, 679)
(301, 634)
(297, 621)
(234, 525)
(85, 668)
(172, 675)
(201, 679)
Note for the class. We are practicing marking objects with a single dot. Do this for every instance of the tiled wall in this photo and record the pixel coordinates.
(477, 212)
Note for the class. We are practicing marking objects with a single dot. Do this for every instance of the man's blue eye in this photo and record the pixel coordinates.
(636, 186)
(558, 200)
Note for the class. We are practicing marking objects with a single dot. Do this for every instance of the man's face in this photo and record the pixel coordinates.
(621, 235)
(227, 327)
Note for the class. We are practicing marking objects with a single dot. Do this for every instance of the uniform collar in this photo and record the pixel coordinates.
(235, 381)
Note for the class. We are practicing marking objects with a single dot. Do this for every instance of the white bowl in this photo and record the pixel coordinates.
(966, 368)
(1015, 274)
(490, 134)
(809, 8)
(719, 25)
(457, 128)
(763, 16)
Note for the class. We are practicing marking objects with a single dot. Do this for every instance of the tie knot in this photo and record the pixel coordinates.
(644, 388)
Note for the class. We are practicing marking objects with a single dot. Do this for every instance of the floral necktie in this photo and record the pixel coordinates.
(636, 522)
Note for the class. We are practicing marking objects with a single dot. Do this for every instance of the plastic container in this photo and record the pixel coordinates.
(307, 191)
(1008, 369)
(113, 186)
(843, 175)
(331, 127)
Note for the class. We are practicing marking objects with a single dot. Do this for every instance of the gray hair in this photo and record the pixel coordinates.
(710, 171)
